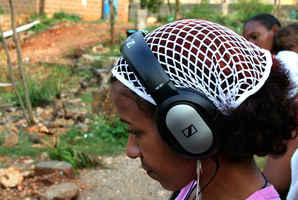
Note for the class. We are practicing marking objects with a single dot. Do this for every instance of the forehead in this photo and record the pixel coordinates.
(254, 26)
(125, 102)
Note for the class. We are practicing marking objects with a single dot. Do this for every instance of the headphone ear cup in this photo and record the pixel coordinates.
(182, 125)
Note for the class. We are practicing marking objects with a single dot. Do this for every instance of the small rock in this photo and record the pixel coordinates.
(63, 191)
(49, 167)
(10, 177)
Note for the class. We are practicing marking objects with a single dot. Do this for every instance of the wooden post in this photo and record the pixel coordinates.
(17, 42)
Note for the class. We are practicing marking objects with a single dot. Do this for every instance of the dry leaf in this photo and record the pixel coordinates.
(33, 129)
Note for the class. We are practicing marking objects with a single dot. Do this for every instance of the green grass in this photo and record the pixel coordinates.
(102, 138)
(46, 23)
(86, 97)
(22, 148)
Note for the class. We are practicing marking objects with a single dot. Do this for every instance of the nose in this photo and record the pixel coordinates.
(132, 148)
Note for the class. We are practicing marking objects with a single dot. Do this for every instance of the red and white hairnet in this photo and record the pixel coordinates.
(204, 56)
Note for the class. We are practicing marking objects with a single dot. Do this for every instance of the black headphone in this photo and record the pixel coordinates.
(183, 115)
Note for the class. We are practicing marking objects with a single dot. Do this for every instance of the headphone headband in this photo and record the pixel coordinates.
(143, 62)
(182, 114)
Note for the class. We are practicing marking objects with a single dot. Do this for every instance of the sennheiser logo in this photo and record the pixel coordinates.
(189, 131)
(130, 43)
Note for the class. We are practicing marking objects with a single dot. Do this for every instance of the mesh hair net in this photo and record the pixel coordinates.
(204, 56)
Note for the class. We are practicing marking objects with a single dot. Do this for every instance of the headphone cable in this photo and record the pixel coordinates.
(197, 196)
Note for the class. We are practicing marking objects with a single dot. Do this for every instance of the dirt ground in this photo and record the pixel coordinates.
(62, 38)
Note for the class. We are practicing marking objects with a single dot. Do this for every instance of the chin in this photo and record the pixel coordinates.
(170, 186)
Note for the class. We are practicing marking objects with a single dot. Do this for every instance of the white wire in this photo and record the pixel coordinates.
(199, 167)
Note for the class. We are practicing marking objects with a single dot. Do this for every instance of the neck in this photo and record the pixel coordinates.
(245, 176)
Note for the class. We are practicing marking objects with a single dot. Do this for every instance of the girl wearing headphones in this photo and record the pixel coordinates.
(200, 101)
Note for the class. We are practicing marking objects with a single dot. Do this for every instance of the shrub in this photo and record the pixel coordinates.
(203, 10)
(246, 9)
(80, 147)
(151, 5)
(41, 93)
(77, 159)
(113, 131)
(1, 11)
(60, 16)
(46, 22)
(239, 13)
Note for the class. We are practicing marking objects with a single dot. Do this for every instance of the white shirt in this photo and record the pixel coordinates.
(289, 59)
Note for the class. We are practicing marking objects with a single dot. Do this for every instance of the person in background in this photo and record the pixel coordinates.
(261, 30)
(278, 169)
(200, 101)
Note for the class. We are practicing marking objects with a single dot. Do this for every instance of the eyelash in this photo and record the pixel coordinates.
(135, 133)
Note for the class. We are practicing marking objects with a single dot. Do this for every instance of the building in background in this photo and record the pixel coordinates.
(87, 9)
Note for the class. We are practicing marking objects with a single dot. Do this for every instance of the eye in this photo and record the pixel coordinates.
(254, 36)
(136, 133)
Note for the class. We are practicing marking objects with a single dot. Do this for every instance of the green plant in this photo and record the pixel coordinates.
(60, 16)
(1, 11)
(113, 131)
(46, 22)
(103, 137)
(248, 8)
(41, 93)
(76, 158)
(203, 10)
(22, 148)
(151, 5)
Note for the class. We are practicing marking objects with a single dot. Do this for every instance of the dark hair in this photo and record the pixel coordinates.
(265, 19)
(260, 125)
(286, 38)
(263, 123)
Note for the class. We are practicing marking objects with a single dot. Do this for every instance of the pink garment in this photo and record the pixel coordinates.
(184, 192)
(268, 193)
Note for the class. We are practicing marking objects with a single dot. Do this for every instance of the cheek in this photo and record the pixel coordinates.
(266, 41)
(171, 170)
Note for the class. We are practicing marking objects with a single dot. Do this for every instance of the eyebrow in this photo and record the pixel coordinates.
(123, 120)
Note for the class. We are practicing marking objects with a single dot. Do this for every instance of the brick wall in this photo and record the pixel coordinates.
(87, 9)
(23, 9)
(123, 10)
(21, 6)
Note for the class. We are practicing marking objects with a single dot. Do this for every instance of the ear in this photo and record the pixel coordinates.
(275, 28)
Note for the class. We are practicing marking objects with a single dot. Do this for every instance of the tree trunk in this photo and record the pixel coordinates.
(112, 21)
(177, 11)
(16, 40)
(169, 7)
(41, 7)
(11, 76)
